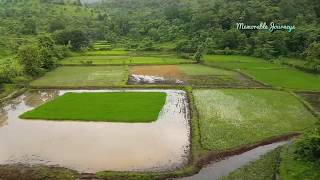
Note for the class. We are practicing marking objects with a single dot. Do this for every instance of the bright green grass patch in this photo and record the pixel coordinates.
(294, 169)
(262, 169)
(111, 107)
(196, 69)
(289, 78)
(240, 62)
(231, 118)
(81, 76)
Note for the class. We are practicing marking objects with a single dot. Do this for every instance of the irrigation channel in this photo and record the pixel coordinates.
(89, 147)
(217, 170)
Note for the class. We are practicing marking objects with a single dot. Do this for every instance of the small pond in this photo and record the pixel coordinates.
(95, 146)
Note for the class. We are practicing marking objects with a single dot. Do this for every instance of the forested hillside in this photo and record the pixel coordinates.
(186, 26)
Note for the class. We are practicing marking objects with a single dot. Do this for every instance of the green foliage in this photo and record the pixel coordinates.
(30, 59)
(292, 168)
(308, 147)
(110, 107)
(77, 39)
(313, 51)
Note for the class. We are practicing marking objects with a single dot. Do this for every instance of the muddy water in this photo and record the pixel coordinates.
(217, 170)
(92, 146)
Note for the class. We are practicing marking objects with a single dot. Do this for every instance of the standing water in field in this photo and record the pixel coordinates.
(95, 146)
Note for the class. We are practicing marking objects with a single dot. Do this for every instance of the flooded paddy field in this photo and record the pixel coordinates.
(90, 146)
(188, 74)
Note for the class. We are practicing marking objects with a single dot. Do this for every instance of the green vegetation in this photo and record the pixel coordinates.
(262, 169)
(111, 107)
(119, 60)
(83, 77)
(7, 89)
(36, 172)
(274, 74)
(292, 168)
(241, 117)
(113, 52)
(288, 78)
(196, 69)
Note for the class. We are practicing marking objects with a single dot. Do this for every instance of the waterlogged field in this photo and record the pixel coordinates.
(108, 107)
(82, 76)
(91, 147)
(191, 74)
(231, 118)
(274, 74)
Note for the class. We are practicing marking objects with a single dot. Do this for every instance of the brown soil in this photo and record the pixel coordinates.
(313, 98)
(167, 71)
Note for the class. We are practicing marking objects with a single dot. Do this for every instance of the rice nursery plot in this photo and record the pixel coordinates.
(192, 74)
(131, 143)
(231, 118)
(276, 75)
(110, 107)
(81, 76)
(313, 98)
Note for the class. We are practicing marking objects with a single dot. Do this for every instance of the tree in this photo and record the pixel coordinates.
(198, 55)
(313, 51)
(77, 39)
(29, 59)
(56, 24)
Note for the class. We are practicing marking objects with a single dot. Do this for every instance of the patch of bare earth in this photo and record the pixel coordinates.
(164, 74)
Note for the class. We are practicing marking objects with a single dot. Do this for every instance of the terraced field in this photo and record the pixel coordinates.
(276, 75)
(82, 76)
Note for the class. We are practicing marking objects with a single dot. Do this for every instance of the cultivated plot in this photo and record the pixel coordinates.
(81, 76)
(189, 74)
(107, 107)
(231, 118)
(90, 147)
(276, 75)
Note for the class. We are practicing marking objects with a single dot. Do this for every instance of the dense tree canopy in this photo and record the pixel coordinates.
(142, 24)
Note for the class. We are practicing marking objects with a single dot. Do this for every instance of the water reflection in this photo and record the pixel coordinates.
(92, 147)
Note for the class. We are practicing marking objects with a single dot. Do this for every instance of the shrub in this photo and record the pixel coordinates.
(308, 147)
